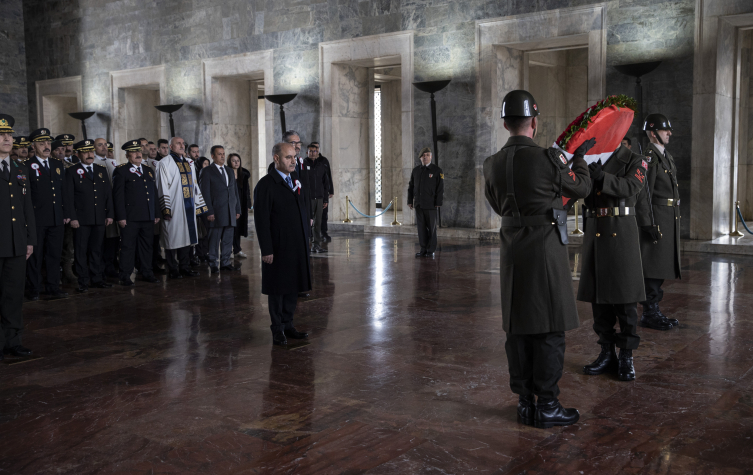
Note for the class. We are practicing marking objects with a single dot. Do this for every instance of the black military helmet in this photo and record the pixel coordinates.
(656, 122)
(519, 103)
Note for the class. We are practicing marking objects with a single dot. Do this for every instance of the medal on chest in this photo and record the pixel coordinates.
(297, 187)
(80, 173)
(35, 167)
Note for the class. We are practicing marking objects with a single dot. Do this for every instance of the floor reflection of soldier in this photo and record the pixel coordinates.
(288, 400)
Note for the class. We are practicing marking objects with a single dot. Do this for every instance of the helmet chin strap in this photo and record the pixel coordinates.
(658, 137)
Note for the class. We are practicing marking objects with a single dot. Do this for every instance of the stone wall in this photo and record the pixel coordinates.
(102, 36)
(13, 99)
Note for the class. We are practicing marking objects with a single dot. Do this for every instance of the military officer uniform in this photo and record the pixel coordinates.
(67, 140)
(659, 219)
(21, 145)
(17, 231)
(612, 274)
(524, 184)
(88, 200)
(47, 185)
(425, 194)
(135, 198)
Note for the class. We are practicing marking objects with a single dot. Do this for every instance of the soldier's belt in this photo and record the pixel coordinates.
(523, 221)
(666, 202)
(609, 212)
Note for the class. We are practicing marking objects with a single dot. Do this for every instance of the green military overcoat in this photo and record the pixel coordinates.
(660, 260)
(535, 278)
(612, 272)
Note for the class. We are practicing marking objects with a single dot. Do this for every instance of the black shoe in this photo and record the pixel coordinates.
(429, 254)
(303, 295)
(82, 289)
(17, 351)
(320, 249)
(652, 319)
(32, 297)
(550, 413)
(626, 371)
(189, 273)
(279, 339)
(327, 238)
(214, 269)
(293, 333)
(675, 322)
(127, 282)
(57, 295)
(606, 361)
(421, 254)
(526, 410)
(150, 278)
(195, 262)
(102, 285)
(231, 267)
(175, 275)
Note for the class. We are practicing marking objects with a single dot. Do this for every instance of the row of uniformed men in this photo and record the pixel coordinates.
(631, 244)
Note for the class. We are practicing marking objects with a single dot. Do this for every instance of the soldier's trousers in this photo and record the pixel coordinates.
(535, 363)
(12, 277)
(109, 253)
(88, 244)
(426, 222)
(654, 292)
(68, 247)
(136, 237)
(49, 249)
(605, 317)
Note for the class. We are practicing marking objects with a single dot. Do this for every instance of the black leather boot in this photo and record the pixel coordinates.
(626, 372)
(653, 319)
(550, 413)
(606, 361)
(526, 410)
(675, 322)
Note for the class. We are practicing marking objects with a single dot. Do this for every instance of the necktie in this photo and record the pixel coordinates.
(140, 170)
(46, 168)
(6, 172)
(289, 181)
(90, 172)
(222, 172)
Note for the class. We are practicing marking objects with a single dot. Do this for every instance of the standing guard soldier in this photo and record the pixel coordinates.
(136, 210)
(525, 183)
(425, 193)
(17, 240)
(612, 275)
(659, 219)
(88, 205)
(47, 184)
(21, 146)
(67, 140)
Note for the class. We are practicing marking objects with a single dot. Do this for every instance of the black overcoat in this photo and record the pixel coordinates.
(612, 272)
(47, 191)
(660, 260)
(535, 277)
(281, 221)
(221, 199)
(88, 201)
(17, 225)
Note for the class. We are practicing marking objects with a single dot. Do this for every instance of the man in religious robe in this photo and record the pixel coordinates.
(181, 202)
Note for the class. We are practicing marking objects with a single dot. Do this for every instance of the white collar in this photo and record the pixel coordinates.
(42, 159)
(100, 158)
(660, 147)
(219, 167)
(6, 159)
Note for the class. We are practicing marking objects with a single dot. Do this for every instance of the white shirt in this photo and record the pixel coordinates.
(7, 162)
(660, 147)
(222, 172)
(100, 158)
(89, 168)
(44, 162)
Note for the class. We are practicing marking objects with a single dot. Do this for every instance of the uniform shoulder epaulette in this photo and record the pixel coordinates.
(557, 157)
(122, 165)
(55, 158)
(97, 164)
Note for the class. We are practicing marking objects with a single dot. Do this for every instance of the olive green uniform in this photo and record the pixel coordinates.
(612, 273)
(661, 260)
(535, 280)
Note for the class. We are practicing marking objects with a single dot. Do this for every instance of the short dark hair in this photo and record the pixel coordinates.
(214, 147)
(289, 134)
(230, 158)
(516, 123)
(162, 141)
(201, 161)
(150, 143)
(628, 140)
(313, 145)
(192, 146)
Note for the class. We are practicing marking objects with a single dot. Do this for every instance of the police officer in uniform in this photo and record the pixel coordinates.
(659, 220)
(47, 184)
(17, 240)
(425, 193)
(525, 183)
(612, 275)
(21, 146)
(69, 157)
(88, 205)
(136, 211)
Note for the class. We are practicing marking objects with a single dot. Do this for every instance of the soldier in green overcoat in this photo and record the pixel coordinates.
(658, 214)
(612, 275)
(538, 305)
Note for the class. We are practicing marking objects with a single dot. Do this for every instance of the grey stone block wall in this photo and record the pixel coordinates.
(99, 36)
(13, 99)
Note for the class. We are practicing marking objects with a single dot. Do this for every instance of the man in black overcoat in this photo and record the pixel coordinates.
(88, 205)
(17, 239)
(281, 219)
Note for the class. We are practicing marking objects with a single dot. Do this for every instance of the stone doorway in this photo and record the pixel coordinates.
(56, 98)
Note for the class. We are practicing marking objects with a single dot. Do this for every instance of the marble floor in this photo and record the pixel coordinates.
(405, 372)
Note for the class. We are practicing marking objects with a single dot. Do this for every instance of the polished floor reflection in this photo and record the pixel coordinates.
(405, 373)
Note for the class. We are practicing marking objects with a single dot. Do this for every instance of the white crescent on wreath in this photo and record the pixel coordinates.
(35, 166)
(80, 171)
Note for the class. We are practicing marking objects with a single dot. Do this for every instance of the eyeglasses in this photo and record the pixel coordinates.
(295, 143)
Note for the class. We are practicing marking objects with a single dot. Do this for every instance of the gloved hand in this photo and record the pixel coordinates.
(585, 147)
(597, 173)
(652, 231)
